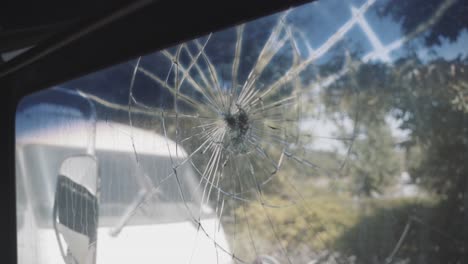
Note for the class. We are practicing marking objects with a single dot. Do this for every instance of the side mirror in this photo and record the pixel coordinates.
(75, 212)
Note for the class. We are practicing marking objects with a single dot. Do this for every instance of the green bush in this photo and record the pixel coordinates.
(300, 226)
(436, 233)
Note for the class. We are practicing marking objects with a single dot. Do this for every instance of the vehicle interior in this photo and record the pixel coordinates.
(289, 131)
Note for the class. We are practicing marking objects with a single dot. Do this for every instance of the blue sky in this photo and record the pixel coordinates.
(322, 18)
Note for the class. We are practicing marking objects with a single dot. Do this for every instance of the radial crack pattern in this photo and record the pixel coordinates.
(242, 116)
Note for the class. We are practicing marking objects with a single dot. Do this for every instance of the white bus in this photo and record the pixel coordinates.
(69, 167)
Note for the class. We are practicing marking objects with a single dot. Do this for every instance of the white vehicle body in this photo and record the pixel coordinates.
(167, 234)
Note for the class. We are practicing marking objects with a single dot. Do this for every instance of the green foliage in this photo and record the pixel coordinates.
(362, 97)
(371, 230)
(433, 234)
(313, 224)
(430, 100)
(374, 162)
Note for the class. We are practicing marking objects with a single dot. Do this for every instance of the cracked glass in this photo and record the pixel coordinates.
(334, 132)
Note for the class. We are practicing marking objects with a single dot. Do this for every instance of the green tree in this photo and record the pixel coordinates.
(374, 162)
(362, 98)
(430, 101)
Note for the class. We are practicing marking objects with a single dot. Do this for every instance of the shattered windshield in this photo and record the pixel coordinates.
(334, 132)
